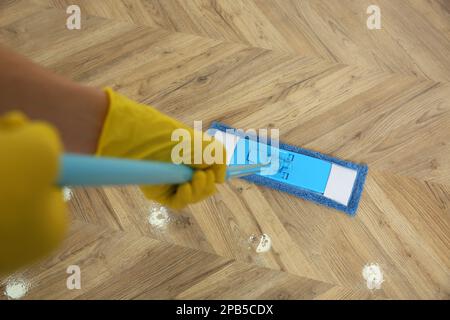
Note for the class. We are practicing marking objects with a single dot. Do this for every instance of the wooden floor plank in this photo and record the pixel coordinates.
(414, 38)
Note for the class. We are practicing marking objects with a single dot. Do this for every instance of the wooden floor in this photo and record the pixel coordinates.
(310, 68)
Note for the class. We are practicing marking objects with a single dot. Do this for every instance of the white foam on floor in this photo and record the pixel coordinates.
(67, 194)
(16, 288)
(265, 243)
(260, 244)
(373, 276)
(340, 184)
(158, 217)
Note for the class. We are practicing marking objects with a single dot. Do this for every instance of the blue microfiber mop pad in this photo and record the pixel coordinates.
(309, 175)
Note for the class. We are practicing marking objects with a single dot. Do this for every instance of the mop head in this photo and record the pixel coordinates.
(304, 173)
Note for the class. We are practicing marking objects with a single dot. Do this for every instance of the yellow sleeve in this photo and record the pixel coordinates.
(33, 217)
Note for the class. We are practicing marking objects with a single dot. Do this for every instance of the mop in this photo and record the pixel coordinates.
(307, 174)
(304, 173)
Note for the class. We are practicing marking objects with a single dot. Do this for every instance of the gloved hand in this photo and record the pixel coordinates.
(33, 216)
(136, 131)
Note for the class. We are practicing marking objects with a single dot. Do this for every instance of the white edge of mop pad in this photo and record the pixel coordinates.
(340, 184)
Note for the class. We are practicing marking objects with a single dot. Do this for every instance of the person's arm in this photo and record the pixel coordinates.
(33, 215)
(77, 111)
(107, 124)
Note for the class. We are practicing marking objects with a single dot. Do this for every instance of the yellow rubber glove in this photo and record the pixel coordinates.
(33, 216)
(136, 131)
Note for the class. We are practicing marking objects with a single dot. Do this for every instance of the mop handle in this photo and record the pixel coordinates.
(89, 171)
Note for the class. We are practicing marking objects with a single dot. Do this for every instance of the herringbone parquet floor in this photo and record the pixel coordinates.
(310, 68)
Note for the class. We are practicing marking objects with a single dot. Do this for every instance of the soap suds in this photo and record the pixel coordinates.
(265, 243)
(373, 275)
(158, 217)
(260, 244)
(67, 194)
(16, 288)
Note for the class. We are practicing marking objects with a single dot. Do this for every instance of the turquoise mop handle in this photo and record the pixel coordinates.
(83, 171)
(88, 171)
